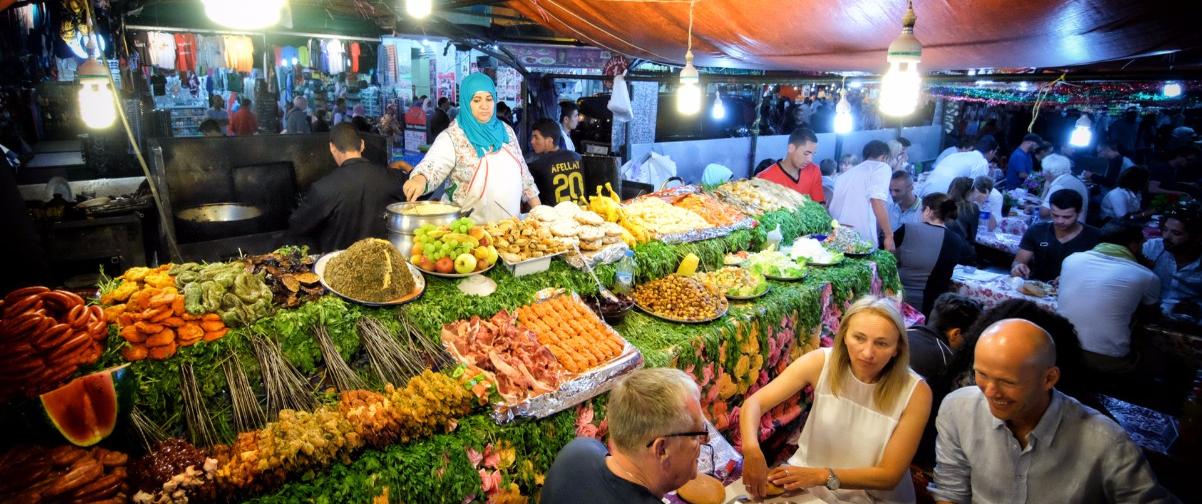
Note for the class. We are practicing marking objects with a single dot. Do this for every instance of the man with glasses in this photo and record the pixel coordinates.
(656, 430)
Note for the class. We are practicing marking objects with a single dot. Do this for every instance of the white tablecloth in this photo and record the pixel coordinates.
(992, 288)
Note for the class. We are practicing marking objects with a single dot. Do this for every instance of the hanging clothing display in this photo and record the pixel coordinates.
(161, 50)
(239, 53)
(209, 52)
(355, 52)
(302, 53)
(383, 77)
(139, 51)
(336, 54)
(317, 55)
(289, 55)
(233, 82)
(194, 84)
(185, 51)
(158, 85)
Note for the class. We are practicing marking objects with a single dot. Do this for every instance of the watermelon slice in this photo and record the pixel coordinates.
(85, 410)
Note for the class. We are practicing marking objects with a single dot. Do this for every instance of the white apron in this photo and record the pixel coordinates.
(498, 180)
(825, 442)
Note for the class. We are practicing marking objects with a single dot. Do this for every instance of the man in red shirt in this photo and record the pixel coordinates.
(243, 122)
(797, 170)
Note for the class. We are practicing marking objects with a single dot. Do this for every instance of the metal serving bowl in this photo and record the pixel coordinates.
(402, 225)
(401, 218)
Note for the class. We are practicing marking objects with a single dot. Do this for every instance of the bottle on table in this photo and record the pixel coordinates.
(624, 274)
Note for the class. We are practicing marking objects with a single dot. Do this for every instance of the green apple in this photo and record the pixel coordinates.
(465, 263)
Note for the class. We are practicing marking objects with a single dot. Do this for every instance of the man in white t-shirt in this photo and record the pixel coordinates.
(861, 198)
(1100, 291)
(965, 145)
(1058, 174)
(973, 164)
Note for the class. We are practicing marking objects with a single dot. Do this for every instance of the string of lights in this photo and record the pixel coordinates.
(1088, 94)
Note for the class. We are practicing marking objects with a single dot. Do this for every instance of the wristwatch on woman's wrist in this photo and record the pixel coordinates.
(832, 481)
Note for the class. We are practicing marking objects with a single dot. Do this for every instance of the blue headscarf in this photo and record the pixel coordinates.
(485, 137)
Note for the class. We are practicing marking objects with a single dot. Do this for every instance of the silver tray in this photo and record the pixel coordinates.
(583, 387)
(419, 283)
(530, 260)
(608, 254)
(721, 313)
(578, 389)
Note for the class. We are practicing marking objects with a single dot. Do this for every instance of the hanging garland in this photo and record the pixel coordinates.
(1063, 94)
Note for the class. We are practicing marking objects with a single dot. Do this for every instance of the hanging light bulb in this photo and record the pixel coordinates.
(719, 110)
(901, 85)
(1172, 90)
(96, 106)
(843, 123)
(1082, 135)
(688, 95)
(244, 15)
(419, 9)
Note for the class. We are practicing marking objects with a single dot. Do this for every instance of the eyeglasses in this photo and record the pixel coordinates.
(705, 436)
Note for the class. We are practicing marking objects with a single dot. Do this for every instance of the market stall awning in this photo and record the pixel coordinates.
(852, 35)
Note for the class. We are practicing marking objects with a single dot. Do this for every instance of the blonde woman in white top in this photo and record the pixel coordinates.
(868, 414)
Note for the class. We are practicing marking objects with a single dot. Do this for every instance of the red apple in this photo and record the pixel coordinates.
(444, 265)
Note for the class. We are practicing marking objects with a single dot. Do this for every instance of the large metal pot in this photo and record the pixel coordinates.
(407, 217)
(215, 221)
(403, 219)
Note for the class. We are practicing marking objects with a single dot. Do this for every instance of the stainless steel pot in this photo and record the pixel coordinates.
(403, 219)
(402, 222)
(403, 243)
(218, 220)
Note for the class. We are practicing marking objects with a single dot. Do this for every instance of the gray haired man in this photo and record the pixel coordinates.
(656, 430)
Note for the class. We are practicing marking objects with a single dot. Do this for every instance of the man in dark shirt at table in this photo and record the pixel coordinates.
(556, 172)
(1045, 245)
(656, 430)
(933, 347)
(348, 204)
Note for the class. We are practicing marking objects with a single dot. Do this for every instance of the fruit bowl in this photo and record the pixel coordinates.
(456, 250)
(455, 275)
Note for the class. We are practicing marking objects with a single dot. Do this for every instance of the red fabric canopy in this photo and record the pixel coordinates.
(852, 35)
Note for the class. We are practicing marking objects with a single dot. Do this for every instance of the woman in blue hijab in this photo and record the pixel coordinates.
(480, 155)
